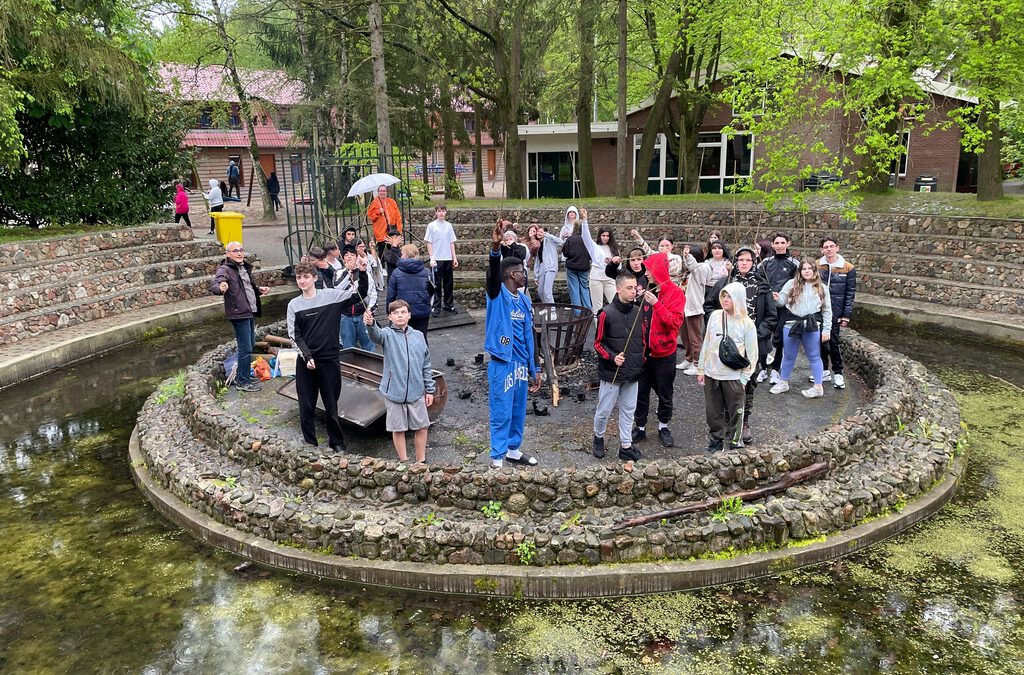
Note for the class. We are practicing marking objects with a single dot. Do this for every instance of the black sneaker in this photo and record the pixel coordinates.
(665, 436)
(736, 445)
(451, 310)
(435, 312)
(340, 448)
(747, 435)
(629, 454)
(598, 447)
(639, 434)
(715, 445)
(250, 387)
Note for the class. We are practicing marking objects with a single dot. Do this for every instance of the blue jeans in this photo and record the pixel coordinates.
(353, 333)
(812, 348)
(244, 336)
(579, 287)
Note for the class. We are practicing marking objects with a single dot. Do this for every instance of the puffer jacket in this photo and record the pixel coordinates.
(410, 282)
(666, 316)
(841, 280)
(619, 331)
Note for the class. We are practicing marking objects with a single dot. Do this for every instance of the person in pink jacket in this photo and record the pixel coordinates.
(181, 205)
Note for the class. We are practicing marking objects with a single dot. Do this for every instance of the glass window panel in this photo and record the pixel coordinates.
(654, 170)
(709, 137)
(710, 160)
(738, 155)
(671, 166)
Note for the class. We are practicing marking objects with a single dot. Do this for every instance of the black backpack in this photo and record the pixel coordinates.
(728, 353)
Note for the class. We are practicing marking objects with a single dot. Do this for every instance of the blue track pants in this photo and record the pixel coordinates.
(508, 383)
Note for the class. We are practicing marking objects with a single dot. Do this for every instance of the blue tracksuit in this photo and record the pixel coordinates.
(509, 342)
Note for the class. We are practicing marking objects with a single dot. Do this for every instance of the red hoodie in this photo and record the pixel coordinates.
(666, 316)
(181, 201)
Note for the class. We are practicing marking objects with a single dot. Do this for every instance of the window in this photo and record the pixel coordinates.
(234, 119)
(296, 165)
(205, 119)
(284, 119)
(470, 124)
(722, 159)
(899, 165)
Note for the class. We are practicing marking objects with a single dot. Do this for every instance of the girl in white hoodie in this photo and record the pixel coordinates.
(216, 200)
(725, 387)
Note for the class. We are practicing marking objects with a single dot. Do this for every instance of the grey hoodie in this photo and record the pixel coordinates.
(407, 373)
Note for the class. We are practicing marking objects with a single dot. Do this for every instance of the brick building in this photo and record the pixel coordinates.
(549, 151)
(219, 133)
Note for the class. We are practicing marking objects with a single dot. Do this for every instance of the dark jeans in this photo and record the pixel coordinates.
(180, 216)
(215, 209)
(233, 185)
(324, 380)
(276, 201)
(421, 324)
(723, 405)
(444, 285)
(833, 351)
(244, 336)
(658, 374)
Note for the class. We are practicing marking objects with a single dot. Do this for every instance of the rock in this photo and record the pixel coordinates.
(517, 503)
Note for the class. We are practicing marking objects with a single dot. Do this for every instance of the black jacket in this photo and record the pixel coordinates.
(761, 307)
(577, 258)
(613, 270)
(620, 330)
(410, 282)
(515, 250)
(390, 257)
(779, 269)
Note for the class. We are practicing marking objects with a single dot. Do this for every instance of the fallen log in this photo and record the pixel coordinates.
(786, 481)
(279, 341)
(261, 344)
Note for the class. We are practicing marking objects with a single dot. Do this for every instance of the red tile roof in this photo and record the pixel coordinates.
(267, 137)
(211, 83)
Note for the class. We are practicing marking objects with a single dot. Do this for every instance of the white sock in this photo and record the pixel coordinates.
(641, 428)
(662, 425)
(514, 453)
(497, 463)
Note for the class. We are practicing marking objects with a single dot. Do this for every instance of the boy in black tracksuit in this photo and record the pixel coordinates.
(777, 269)
(313, 322)
(761, 309)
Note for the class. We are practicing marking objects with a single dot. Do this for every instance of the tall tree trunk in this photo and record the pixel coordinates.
(990, 169)
(478, 148)
(585, 101)
(621, 135)
(450, 177)
(654, 123)
(426, 171)
(508, 107)
(246, 109)
(380, 84)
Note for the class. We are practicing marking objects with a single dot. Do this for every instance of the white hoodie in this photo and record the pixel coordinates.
(214, 196)
(741, 330)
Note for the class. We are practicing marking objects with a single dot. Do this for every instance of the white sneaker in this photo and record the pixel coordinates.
(813, 392)
(781, 387)
(838, 382)
(775, 379)
(762, 376)
(684, 365)
(692, 370)
(770, 359)
(826, 376)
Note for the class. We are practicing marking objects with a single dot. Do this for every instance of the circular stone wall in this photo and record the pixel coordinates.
(264, 495)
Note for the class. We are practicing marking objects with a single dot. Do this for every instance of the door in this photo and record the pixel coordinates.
(237, 159)
(267, 162)
(492, 163)
(556, 174)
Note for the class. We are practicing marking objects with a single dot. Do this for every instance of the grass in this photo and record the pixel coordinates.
(897, 201)
(12, 234)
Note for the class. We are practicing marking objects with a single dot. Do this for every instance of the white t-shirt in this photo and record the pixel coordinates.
(441, 236)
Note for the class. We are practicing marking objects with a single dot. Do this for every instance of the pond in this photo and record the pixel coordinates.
(96, 580)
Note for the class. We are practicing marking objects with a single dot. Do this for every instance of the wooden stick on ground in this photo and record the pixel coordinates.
(786, 481)
(279, 341)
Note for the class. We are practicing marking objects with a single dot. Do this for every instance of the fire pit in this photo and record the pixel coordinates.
(566, 327)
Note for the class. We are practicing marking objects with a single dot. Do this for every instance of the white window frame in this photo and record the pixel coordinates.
(721, 176)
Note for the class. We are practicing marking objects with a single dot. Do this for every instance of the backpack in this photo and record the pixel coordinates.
(728, 353)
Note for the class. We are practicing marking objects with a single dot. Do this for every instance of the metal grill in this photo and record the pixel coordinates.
(567, 327)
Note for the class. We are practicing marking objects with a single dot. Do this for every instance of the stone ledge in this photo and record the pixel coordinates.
(44, 250)
(553, 583)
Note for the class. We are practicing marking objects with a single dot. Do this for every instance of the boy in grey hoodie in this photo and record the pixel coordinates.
(407, 382)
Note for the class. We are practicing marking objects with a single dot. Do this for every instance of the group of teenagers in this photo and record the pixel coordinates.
(731, 315)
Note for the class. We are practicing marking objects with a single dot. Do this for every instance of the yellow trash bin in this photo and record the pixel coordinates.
(228, 226)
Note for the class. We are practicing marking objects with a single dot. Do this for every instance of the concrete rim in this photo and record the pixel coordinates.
(548, 583)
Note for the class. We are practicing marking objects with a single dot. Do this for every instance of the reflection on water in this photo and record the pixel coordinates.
(95, 580)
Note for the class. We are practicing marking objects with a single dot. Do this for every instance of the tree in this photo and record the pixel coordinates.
(584, 103)
(621, 153)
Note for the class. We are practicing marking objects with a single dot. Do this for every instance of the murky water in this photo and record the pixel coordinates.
(95, 581)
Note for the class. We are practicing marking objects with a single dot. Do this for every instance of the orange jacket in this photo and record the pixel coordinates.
(382, 218)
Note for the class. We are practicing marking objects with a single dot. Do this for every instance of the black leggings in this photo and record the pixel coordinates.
(179, 216)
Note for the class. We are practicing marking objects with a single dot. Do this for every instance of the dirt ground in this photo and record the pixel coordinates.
(563, 436)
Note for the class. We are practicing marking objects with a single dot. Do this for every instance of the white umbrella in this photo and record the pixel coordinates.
(371, 183)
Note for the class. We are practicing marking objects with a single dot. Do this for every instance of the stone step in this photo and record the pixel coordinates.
(28, 324)
(944, 268)
(50, 294)
(947, 293)
(48, 250)
(30, 274)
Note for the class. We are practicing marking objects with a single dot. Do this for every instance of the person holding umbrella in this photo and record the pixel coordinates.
(383, 214)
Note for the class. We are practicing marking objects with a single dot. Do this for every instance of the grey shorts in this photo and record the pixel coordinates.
(407, 416)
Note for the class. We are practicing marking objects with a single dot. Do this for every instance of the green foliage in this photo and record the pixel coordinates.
(730, 506)
(526, 550)
(494, 511)
(174, 388)
(572, 521)
(102, 164)
(430, 519)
